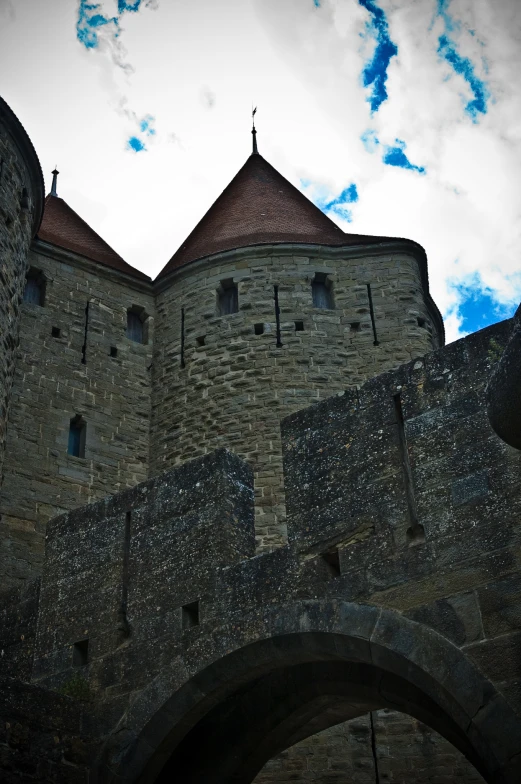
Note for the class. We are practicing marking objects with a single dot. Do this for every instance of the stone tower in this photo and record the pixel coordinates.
(266, 308)
(21, 206)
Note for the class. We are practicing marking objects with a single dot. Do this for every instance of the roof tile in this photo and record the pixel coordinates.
(63, 227)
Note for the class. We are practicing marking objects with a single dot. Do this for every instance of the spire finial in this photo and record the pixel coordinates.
(54, 173)
(254, 133)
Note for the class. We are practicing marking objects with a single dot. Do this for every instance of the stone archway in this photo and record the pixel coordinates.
(281, 674)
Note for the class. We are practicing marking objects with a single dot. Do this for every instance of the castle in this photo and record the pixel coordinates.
(201, 569)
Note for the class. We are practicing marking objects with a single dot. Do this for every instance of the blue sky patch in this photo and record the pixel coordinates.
(337, 205)
(448, 51)
(370, 140)
(145, 125)
(395, 156)
(374, 74)
(477, 305)
(135, 144)
(90, 20)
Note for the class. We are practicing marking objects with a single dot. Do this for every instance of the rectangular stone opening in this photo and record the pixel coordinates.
(56, 332)
(332, 562)
(355, 326)
(299, 326)
(80, 653)
(258, 329)
(421, 322)
(113, 351)
(201, 340)
(190, 615)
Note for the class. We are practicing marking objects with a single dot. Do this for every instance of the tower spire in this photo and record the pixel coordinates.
(54, 173)
(254, 133)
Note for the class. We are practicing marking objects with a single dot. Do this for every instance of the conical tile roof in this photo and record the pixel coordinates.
(63, 227)
(260, 206)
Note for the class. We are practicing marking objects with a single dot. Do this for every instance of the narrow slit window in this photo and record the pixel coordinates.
(190, 615)
(77, 436)
(80, 653)
(258, 329)
(227, 298)
(322, 292)
(34, 292)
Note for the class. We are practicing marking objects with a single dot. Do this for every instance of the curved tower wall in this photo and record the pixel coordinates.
(21, 204)
(237, 385)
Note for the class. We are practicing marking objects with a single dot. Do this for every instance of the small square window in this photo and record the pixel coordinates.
(422, 322)
(201, 340)
(80, 653)
(258, 329)
(190, 615)
(332, 562)
(56, 332)
(299, 326)
(355, 326)
(113, 351)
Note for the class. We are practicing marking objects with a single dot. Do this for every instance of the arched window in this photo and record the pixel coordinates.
(136, 324)
(227, 298)
(322, 292)
(77, 436)
(34, 292)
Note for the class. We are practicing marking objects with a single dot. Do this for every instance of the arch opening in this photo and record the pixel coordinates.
(243, 694)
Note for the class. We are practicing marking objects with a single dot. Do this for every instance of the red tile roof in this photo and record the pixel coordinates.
(260, 206)
(63, 227)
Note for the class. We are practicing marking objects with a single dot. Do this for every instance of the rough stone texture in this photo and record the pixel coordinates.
(234, 389)
(52, 385)
(406, 751)
(503, 389)
(21, 191)
(286, 644)
(41, 737)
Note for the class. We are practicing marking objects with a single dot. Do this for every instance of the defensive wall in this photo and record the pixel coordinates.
(21, 208)
(398, 589)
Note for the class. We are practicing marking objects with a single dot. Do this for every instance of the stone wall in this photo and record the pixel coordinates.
(43, 737)
(21, 200)
(52, 384)
(236, 385)
(442, 611)
(404, 750)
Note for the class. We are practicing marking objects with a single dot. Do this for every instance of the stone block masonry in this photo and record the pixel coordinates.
(21, 202)
(65, 367)
(238, 657)
(235, 383)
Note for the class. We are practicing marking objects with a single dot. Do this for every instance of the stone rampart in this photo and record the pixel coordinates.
(153, 598)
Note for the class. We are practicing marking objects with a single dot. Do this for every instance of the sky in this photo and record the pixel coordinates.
(396, 117)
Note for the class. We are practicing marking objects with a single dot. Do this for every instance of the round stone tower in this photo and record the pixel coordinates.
(269, 307)
(21, 209)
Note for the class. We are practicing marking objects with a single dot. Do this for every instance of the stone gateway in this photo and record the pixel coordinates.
(257, 522)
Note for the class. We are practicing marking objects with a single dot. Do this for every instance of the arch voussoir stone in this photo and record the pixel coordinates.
(405, 652)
